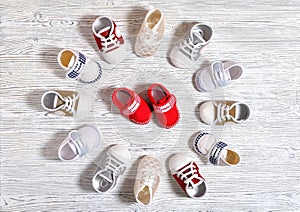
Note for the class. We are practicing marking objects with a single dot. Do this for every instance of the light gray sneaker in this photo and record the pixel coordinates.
(79, 143)
(187, 52)
(117, 159)
(218, 74)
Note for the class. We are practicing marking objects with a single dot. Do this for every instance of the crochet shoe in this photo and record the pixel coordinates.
(187, 52)
(186, 173)
(78, 66)
(221, 112)
(164, 105)
(79, 143)
(66, 103)
(218, 74)
(131, 105)
(218, 153)
(117, 159)
(109, 39)
(147, 180)
(150, 34)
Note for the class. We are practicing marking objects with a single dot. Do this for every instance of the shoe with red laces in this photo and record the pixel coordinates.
(186, 172)
(109, 39)
(164, 104)
(131, 105)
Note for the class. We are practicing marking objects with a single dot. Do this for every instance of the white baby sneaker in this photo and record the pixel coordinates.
(221, 112)
(79, 66)
(109, 39)
(66, 103)
(187, 52)
(147, 180)
(79, 143)
(150, 34)
(218, 74)
(217, 153)
(106, 177)
(186, 173)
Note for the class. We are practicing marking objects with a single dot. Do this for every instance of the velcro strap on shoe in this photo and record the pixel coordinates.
(166, 107)
(79, 143)
(133, 107)
(221, 76)
(76, 71)
(215, 153)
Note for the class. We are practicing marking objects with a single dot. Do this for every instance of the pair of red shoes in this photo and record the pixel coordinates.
(135, 108)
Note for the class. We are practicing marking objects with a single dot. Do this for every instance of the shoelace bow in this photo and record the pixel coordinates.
(188, 174)
(189, 48)
(114, 165)
(150, 36)
(110, 42)
(223, 112)
(70, 102)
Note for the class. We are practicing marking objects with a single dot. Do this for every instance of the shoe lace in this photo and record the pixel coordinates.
(188, 174)
(223, 112)
(114, 165)
(110, 42)
(70, 102)
(149, 36)
(150, 173)
(189, 48)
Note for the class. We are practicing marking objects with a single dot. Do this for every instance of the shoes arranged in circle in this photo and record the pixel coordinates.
(161, 101)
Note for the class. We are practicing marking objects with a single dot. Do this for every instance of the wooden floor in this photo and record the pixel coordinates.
(263, 36)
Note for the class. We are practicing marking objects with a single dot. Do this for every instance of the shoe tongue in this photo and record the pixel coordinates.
(107, 175)
(235, 111)
(162, 100)
(72, 62)
(197, 37)
(57, 102)
(105, 31)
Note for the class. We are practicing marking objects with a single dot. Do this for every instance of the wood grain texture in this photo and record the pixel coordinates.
(263, 36)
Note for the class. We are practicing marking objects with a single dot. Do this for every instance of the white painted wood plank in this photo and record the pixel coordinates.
(262, 36)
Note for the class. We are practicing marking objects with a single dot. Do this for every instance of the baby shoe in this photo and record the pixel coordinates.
(187, 52)
(79, 143)
(116, 161)
(218, 74)
(164, 105)
(66, 103)
(109, 39)
(147, 180)
(186, 172)
(150, 34)
(131, 105)
(218, 153)
(78, 66)
(221, 112)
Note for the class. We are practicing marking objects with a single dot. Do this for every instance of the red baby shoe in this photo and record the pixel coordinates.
(164, 105)
(131, 105)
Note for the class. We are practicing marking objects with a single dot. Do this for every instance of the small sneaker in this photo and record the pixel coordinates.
(109, 39)
(187, 52)
(147, 180)
(79, 143)
(186, 172)
(150, 34)
(131, 105)
(218, 74)
(66, 103)
(164, 104)
(77, 66)
(221, 112)
(117, 159)
(218, 153)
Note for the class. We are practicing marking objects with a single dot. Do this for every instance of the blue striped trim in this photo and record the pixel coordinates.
(78, 67)
(216, 152)
(197, 139)
(98, 77)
